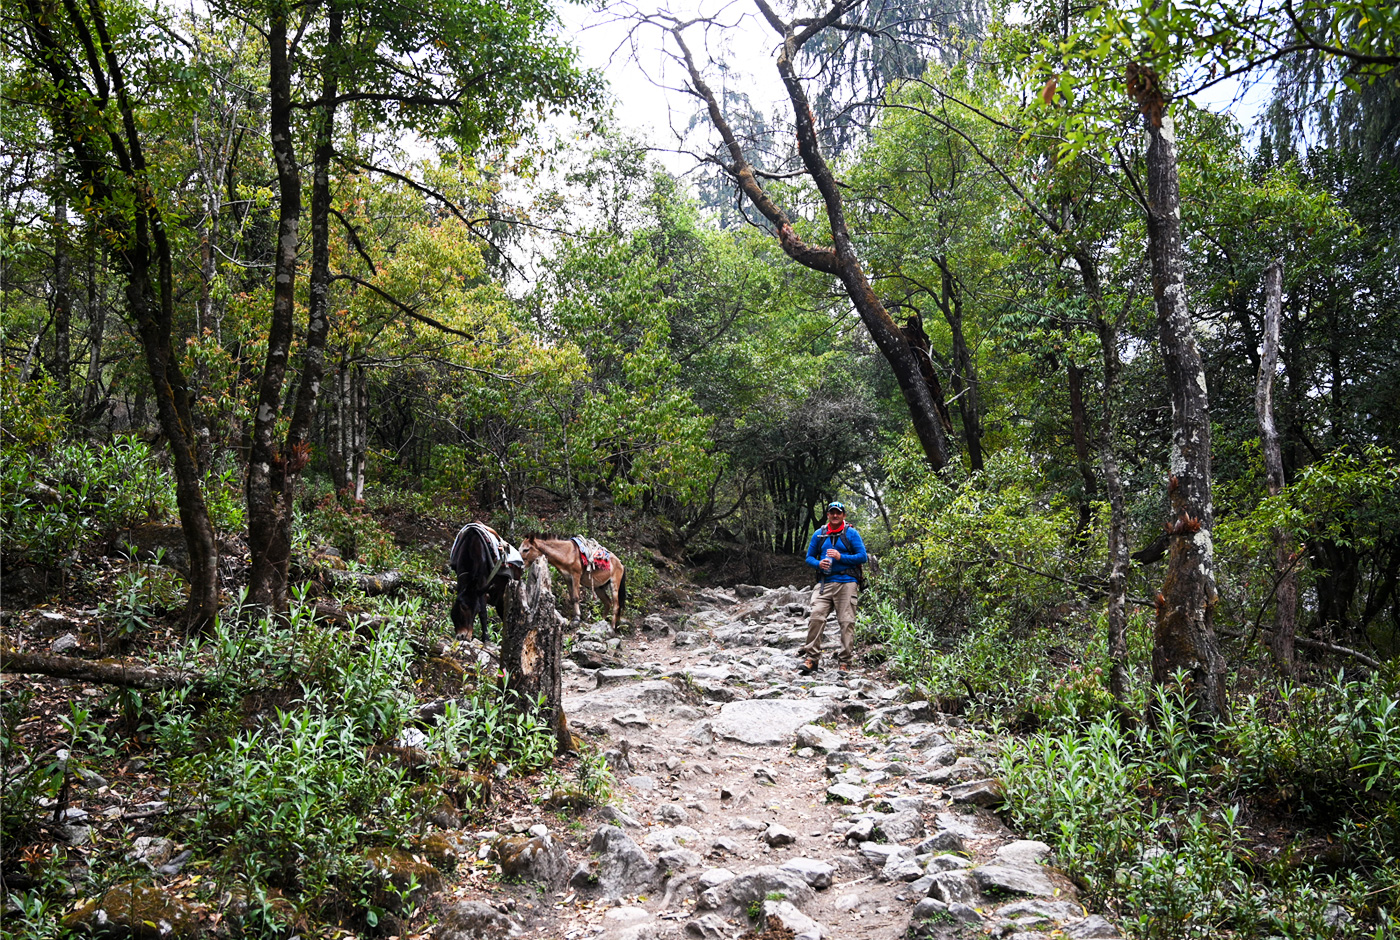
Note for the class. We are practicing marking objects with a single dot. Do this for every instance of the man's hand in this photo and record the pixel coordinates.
(825, 564)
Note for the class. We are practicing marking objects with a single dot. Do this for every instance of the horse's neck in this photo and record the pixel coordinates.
(558, 551)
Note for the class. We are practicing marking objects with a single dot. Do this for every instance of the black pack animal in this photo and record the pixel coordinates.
(482, 562)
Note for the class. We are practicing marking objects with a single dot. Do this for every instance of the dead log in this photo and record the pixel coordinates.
(99, 672)
(373, 585)
(532, 650)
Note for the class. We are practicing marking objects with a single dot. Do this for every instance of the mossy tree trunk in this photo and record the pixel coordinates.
(1184, 639)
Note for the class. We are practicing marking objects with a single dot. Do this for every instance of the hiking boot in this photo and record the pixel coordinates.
(808, 667)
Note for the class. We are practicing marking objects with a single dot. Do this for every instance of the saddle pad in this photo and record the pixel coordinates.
(595, 556)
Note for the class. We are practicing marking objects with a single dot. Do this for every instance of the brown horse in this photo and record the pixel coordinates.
(565, 555)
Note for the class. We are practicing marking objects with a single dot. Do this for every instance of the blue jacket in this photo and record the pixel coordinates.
(843, 568)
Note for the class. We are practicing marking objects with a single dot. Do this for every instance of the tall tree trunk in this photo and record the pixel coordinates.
(1079, 433)
(1184, 638)
(1118, 560)
(840, 259)
(313, 357)
(269, 540)
(335, 432)
(144, 259)
(1285, 569)
(965, 382)
(62, 306)
(532, 651)
(97, 327)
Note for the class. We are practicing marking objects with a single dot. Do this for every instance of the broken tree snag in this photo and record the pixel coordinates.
(1286, 594)
(532, 650)
(100, 672)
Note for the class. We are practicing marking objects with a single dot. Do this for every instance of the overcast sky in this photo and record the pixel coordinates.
(644, 79)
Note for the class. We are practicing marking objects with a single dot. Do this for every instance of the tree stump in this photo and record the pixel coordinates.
(532, 650)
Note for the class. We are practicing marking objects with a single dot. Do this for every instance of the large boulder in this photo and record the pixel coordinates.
(751, 889)
(473, 920)
(532, 858)
(618, 865)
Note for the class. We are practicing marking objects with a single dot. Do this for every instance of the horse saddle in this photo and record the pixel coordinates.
(594, 556)
(503, 554)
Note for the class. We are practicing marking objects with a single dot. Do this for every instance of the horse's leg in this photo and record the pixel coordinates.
(481, 613)
(575, 591)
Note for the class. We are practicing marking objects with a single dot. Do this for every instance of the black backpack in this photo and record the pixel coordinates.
(846, 547)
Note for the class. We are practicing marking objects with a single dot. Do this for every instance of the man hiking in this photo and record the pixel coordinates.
(837, 552)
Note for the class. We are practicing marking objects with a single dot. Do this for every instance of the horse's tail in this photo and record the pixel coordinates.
(622, 593)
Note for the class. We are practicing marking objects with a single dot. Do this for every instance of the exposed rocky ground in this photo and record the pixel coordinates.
(756, 801)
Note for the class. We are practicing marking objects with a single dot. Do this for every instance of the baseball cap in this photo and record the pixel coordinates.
(837, 506)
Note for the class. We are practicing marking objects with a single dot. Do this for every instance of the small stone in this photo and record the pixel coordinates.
(939, 842)
(901, 827)
(672, 812)
(1093, 927)
(947, 862)
(928, 907)
(985, 793)
(713, 877)
(776, 835)
(819, 738)
(964, 913)
(65, 643)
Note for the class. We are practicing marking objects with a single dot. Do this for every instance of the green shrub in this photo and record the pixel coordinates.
(977, 548)
(285, 794)
(95, 490)
(1149, 819)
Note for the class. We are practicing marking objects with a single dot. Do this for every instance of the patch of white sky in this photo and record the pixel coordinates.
(648, 83)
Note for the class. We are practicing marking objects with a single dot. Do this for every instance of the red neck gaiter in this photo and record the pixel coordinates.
(836, 530)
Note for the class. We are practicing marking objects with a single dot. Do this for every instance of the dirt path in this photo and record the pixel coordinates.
(754, 798)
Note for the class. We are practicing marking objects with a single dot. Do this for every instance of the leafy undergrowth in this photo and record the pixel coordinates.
(286, 780)
(281, 771)
(1280, 823)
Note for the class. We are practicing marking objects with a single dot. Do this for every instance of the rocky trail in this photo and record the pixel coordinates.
(754, 801)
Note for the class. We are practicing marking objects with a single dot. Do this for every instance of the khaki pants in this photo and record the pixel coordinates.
(840, 595)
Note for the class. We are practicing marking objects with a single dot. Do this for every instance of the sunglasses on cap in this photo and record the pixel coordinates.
(835, 507)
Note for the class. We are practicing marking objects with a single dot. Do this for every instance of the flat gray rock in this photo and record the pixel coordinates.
(736, 895)
(1003, 878)
(1023, 853)
(985, 793)
(611, 676)
(822, 739)
(766, 721)
(846, 793)
(1093, 928)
